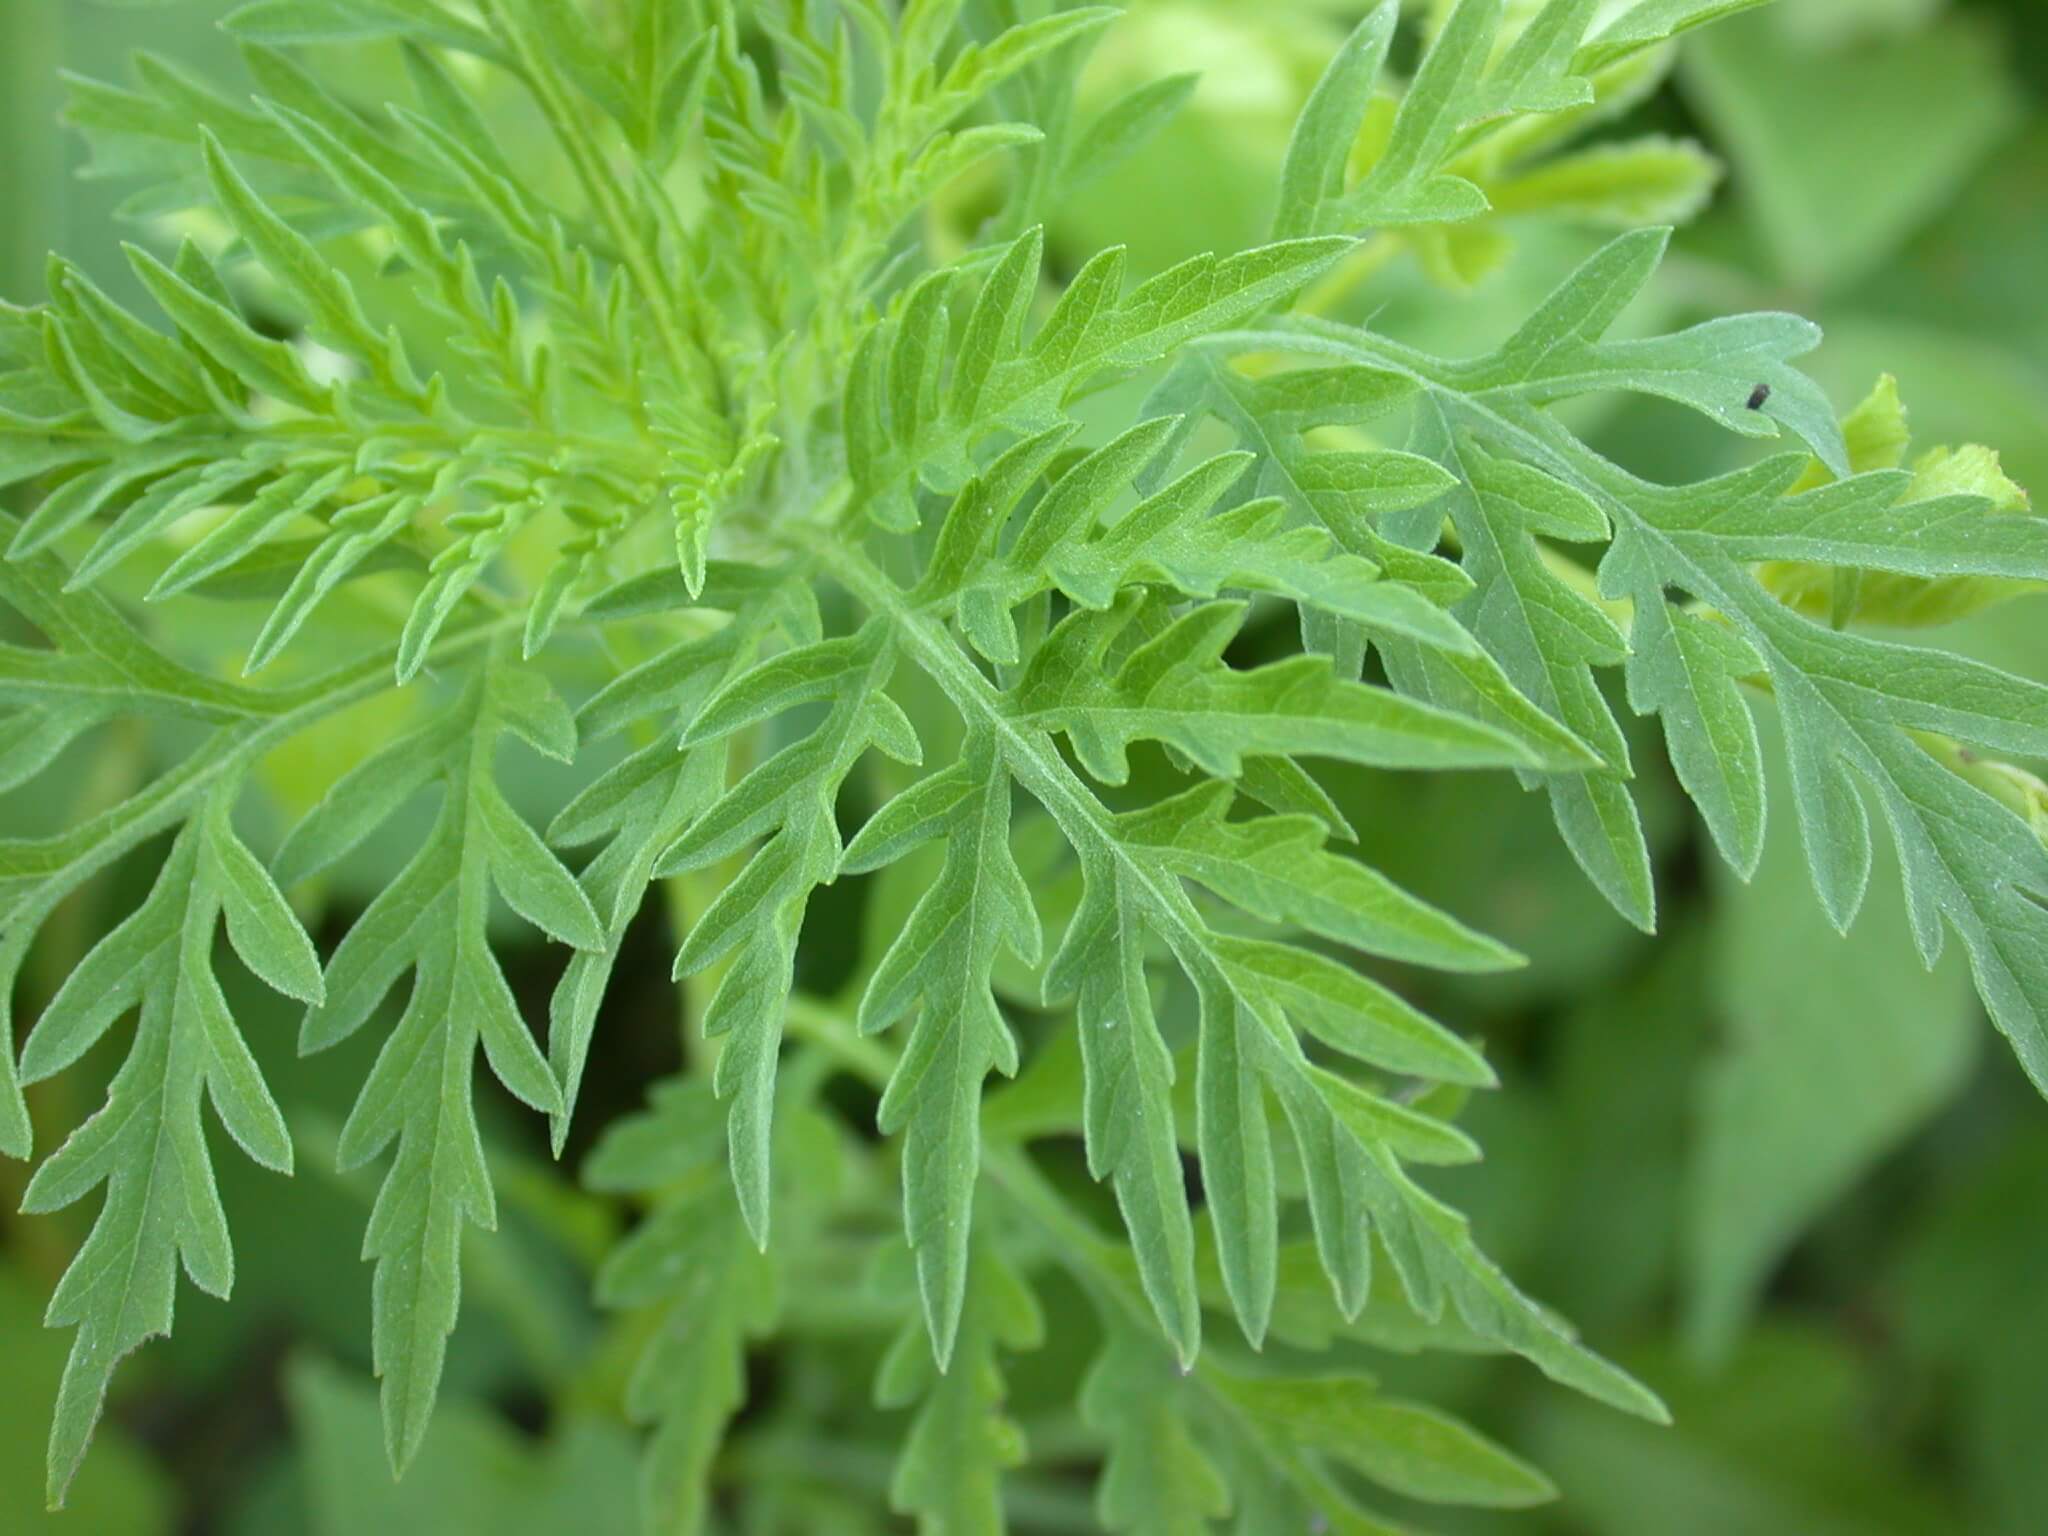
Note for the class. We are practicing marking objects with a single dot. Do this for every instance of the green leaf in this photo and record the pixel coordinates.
(267, 367)
(1095, 329)
(644, 806)
(158, 508)
(1650, 180)
(1404, 185)
(1650, 22)
(1128, 1109)
(1070, 542)
(1232, 1135)
(329, 21)
(1174, 688)
(1548, 636)
(1957, 499)
(1443, 1272)
(98, 665)
(949, 1472)
(1349, 493)
(261, 925)
(1319, 151)
(1351, 1012)
(1157, 1480)
(1537, 70)
(1122, 129)
(334, 314)
(938, 970)
(783, 317)
(86, 495)
(147, 1146)
(431, 920)
(357, 536)
(1404, 1447)
(1276, 867)
(1851, 705)
(297, 493)
(1243, 1050)
(457, 291)
(753, 923)
(114, 358)
(1713, 367)
(800, 676)
(703, 1287)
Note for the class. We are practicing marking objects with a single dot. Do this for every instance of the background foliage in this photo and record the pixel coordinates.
(1790, 1181)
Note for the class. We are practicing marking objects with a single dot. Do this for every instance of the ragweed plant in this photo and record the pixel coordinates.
(649, 394)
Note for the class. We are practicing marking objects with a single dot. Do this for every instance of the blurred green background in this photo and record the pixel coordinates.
(1793, 1181)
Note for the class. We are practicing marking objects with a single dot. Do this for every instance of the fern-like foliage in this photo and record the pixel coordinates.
(1685, 561)
(679, 417)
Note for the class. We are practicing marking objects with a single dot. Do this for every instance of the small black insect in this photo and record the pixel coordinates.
(1758, 396)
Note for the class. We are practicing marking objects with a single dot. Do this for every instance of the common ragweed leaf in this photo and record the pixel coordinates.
(1686, 559)
(902, 430)
(938, 971)
(147, 1144)
(1491, 124)
(960, 1443)
(431, 921)
(692, 1265)
(1157, 1480)
(930, 601)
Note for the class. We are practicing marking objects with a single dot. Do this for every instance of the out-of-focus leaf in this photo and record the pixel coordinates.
(1838, 157)
(1837, 1049)
(118, 1490)
(1399, 1445)
(474, 1476)
(1966, 1308)
(1780, 1441)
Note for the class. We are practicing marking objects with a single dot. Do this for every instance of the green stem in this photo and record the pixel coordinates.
(834, 1033)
